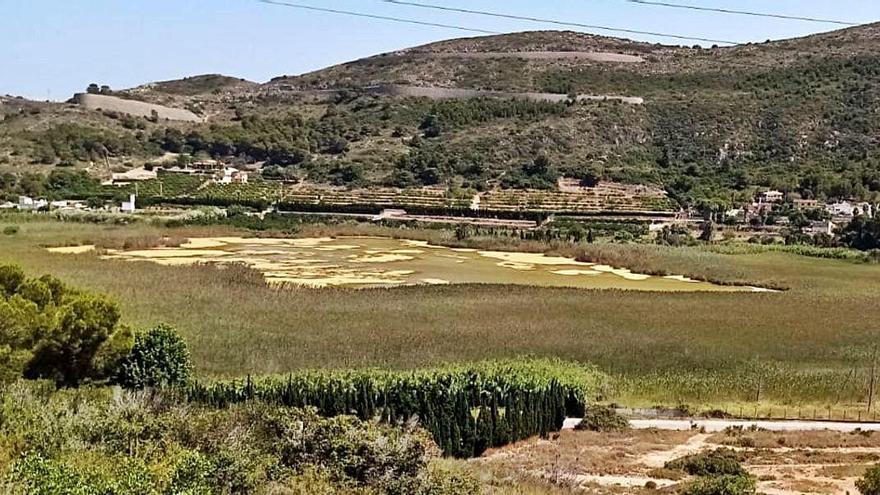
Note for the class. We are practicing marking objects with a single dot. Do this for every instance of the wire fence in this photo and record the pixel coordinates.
(860, 415)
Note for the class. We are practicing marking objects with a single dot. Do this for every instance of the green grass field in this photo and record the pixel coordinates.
(807, 345)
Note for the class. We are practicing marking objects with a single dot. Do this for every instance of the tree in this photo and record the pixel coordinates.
(159, 358)
(93, 89)
(49, 331)
(862, 233)
(66, 351)
(432, 125)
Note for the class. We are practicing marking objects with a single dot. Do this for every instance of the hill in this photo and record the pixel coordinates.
(710, 125)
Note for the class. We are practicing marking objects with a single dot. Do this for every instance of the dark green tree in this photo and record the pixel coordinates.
(159, 358)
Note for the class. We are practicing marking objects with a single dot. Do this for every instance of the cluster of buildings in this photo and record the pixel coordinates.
(210, 169)
(837, 213)
(27, 203)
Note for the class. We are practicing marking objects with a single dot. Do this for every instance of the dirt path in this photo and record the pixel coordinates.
(590, 56)
(658, 459)
(718, 425)
(438, 93)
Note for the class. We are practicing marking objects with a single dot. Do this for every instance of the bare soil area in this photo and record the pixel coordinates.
(811, 462)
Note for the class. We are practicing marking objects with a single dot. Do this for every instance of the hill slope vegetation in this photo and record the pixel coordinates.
(717, 123)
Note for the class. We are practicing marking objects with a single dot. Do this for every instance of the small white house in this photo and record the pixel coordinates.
(234, 176)
(129, 206)
(28, 203)
(771, 197)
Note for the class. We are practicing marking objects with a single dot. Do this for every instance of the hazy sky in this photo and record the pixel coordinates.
(53, 48)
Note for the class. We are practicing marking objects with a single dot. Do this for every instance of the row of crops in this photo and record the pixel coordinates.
(428, 201)
(467, 409)
(595, 201)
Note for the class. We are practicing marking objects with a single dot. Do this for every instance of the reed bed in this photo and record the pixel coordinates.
(669, 348)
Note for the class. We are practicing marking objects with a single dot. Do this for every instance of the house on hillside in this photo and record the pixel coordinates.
(848, 209)
(207, 166)
(771, 197)
(234, 176)
(805, 204)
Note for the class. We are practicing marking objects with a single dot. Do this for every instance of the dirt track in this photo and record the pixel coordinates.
(436, 93)
(591, 56)
(717, 425)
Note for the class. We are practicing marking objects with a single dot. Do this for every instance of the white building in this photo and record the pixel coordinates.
(129, 206)
(28, 203)
(234, 176)
(771, 197)
(847, 209)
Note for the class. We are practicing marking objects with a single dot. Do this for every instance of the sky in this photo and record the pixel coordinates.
(50, 49)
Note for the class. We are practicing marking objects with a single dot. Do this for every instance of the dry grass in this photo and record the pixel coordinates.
(780, 457)
(798, 439)
(581, 452)
(236, 325)
(844, 471)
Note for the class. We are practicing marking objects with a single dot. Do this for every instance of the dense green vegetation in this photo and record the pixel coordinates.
(93, 441)
(467, 409)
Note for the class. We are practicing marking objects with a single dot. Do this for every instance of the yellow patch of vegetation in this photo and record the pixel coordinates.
(72, 249)
(532, 258)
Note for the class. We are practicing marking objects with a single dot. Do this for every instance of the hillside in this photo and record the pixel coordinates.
(709, 125)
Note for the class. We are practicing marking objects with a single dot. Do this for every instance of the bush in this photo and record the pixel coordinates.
(10, 230)
(869, 484)
(716, 463)
(722, 485)
(602, 418)
(159, 358)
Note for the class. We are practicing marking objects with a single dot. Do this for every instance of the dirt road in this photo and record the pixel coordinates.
(717, 425)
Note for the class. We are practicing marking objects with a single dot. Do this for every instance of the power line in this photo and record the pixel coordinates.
(374, 16)
(742, 12)
(557, 22)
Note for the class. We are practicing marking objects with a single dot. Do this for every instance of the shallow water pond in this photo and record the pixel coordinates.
(377, 262)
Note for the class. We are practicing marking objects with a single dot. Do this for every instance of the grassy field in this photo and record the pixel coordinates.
(807, 345)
